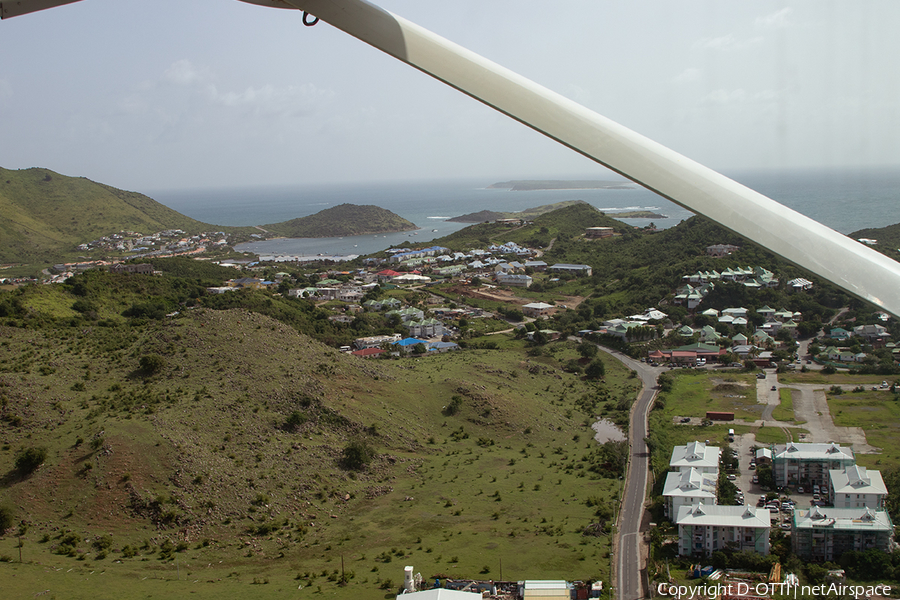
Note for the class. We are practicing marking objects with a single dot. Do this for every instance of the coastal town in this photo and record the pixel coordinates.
(810, 493)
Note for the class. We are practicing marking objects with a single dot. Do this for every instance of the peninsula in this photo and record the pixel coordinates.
(484, 216)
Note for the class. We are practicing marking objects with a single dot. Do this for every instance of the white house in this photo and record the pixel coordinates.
(822, 534)
(857, 487)
(706, 529)
(808, 464)
(537, 309)
(696, 455)
(686, 488)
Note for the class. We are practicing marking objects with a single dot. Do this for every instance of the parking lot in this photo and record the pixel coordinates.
(752, 493)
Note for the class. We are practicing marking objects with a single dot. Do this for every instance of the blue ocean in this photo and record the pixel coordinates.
(845, 200)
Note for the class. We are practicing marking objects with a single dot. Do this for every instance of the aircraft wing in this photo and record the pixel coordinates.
(847, 263)
(15, 8)
(854, 267)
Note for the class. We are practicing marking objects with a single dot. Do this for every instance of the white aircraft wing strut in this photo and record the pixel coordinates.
(853, 266)
(847, 263)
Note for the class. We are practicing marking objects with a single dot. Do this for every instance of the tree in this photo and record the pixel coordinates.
(540, 338)
(587, 350)
(595, 370)
(766, 478)
(665, 382)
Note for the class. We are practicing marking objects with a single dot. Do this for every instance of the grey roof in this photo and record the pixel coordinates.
(723, 516)
(843, 518)
(855, 479)
(691, 484)
(695, 454)
(810, 451)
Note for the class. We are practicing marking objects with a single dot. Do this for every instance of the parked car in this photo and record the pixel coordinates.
(800, 490)
(732, 477)
(685, 419)
(754, 479)
(774, 388)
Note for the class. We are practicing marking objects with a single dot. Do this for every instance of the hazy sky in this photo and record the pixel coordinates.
(156, 94)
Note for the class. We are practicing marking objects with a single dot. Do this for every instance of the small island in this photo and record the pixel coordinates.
(344, 219)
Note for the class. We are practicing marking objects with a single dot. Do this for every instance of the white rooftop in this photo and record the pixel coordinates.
(723, 516)
(538, 305)
(695, 454)
(857, 480)
(440, 594)
(843, 518)
(812, 451)
(691, 484)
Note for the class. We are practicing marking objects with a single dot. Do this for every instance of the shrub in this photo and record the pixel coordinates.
(152, 363)
(456, 403)
(6, 518)
(356, 455)
(295, 420)
(29, 459)
(102, 543)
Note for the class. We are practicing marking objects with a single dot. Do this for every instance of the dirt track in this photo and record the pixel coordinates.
(507, 295)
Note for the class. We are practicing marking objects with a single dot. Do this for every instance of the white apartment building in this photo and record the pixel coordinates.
(857, 487)
(704, 529)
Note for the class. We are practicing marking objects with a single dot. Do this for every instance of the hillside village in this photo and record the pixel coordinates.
(732, 335)
(746, 320)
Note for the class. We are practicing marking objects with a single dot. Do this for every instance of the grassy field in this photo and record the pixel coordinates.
(785, 410)
(198, 485)
(840, 378)
(777, 435)
(699, 391)
(878, 414)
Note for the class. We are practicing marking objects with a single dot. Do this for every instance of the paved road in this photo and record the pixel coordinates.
(630, 548)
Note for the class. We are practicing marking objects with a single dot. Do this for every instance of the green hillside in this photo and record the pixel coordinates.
(45, 215)
(528, 213)
(570, 219)
(888, 239)
(213, 452)
(344, 219)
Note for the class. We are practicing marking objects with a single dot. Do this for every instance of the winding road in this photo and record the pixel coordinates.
(631, 575)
